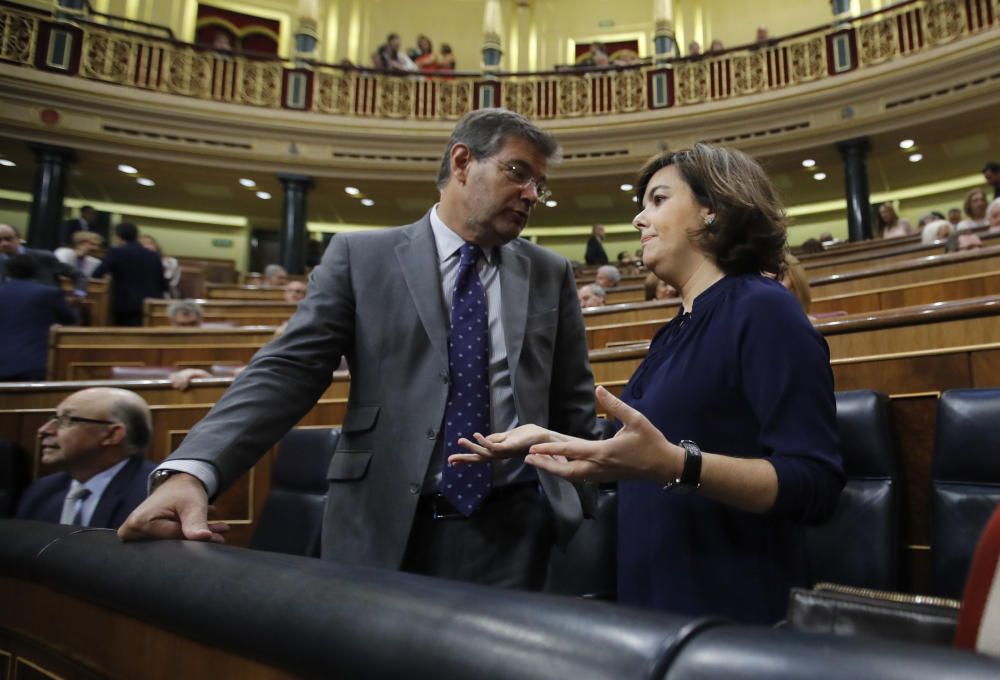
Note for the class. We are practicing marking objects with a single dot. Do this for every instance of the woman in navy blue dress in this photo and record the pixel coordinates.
(728, 442)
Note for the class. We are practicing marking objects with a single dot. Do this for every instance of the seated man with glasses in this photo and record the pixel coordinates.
(97, 441)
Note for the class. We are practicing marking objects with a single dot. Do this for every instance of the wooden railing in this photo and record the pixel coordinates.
(140, 60)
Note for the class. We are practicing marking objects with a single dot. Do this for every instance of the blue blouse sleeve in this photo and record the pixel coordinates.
(786, 375)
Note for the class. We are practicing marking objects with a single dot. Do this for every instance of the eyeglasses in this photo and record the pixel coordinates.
(520, 176)
(65, 420)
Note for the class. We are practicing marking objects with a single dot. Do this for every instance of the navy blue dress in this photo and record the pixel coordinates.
(744, 375)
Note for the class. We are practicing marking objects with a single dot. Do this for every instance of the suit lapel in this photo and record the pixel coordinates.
(417, 259)
(515, 272)
(112, 495)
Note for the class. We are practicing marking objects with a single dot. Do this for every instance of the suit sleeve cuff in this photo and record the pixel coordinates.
(204, 472)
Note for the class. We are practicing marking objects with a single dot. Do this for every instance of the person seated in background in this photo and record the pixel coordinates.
(81, 255)
(993, 216)
(975, 210)
(275, 275)
(889, 225)
(655, 288)
(137, 274)
(932, 216)
(28, 310)
(960, 241)
(423, 56)
(87, 221)
(938, 230)
(49, 269)
(828, 239)
(592, 295)
(184, 314)
(97, 441)
(955, 215)
(295, 291)
(991, 173)
(811, 245)
(446, 60)
(694, 49)
(388, 56)
(607, 276)
(171, 268)
(716, 47)
(793, 277)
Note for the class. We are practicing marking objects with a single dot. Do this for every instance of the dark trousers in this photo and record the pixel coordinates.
(505, 543)
(128, 318)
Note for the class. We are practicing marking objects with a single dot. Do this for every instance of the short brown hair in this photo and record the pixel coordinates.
(748, 233)
(87, 237)
(968, 200)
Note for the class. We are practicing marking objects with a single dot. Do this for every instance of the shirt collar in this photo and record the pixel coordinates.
(448, 241)
(99, 482)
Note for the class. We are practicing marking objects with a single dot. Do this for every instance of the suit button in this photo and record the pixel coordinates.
(431, 433)
(414, 489)
(444, 377)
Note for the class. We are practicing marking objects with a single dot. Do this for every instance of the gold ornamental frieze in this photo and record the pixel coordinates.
(18, 36)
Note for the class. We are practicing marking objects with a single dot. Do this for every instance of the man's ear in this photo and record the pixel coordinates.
(115, 436)
(461, 159)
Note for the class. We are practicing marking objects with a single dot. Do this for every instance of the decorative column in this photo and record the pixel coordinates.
(491, 36)
(293, 222)
(859, 220)
(47, 194)
(306, 33)
(664, 43)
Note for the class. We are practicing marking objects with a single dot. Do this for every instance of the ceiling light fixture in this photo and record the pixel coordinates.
(146, 182)
(906, 144)
(367, 202)
(247, 182)
(916, 157)
(551, 204)
(7, 163)
(808, 163)
(127, 169)
(352, 191)
(263, 195)
(626, 187)
(635, 199)
(820, 175)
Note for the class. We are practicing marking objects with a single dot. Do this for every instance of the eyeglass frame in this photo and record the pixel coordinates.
(66, 420)
(513, 169)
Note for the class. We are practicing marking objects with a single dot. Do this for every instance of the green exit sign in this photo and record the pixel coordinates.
(222, 242)
(607, 23)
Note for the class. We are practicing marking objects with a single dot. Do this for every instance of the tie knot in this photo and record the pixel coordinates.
(79, 493)
(470, 253)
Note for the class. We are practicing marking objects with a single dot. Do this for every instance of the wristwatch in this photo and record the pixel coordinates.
(690, 478)
(158, 477)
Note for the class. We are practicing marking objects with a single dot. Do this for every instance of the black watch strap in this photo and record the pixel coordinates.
(690, 478)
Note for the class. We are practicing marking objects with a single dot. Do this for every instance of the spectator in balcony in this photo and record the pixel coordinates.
(423, 55)
(446, 61)
(935, 231)
(592, 295)
(608, 276)
(49, 268)
(81, 255)
(87, 221)
(991, 172)
(184, 314)
(716, 47)
(137, 274)
(171, 268)
(598, 57)
(993, 215)
(657, 289)
(694, 49)
(221, 42)
(960, 241)
(975, 210)
(762, 36)
(388, 56)
(890, 225)
(275, 275)
(28, 310)
(595, 249)
(97, 441)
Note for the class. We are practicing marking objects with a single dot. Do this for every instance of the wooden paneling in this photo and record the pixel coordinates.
(235, 292)
(926, 292)
(629, 312)
(626, 293)
(234, 312)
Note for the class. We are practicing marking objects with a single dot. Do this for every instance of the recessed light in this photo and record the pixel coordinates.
(146, 182)
(247, 182)
(635, 199)
(127, 169)
(367, 202)
(551, 204)
(819, 175)
(916, 157)
(352, 191)
(808, 163)
(7, 163)
(906, 144)
(627, 187)
(264, 195)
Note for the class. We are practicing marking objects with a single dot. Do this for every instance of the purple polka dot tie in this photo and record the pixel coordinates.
(467, 485)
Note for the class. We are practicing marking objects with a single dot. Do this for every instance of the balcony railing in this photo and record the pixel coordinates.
(87, 50)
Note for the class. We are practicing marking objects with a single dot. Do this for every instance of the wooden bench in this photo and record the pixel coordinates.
(95, 309)
(630, 312)
(89, 353)
(627, 293)
(221, 291)
(234, 312)
(850, 247)
(924, 292)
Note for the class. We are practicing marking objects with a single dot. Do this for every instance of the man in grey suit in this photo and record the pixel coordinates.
(50, 269)
(384, 299)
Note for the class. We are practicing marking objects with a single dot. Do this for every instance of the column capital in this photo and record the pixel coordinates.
(290, 180)
(44, 151)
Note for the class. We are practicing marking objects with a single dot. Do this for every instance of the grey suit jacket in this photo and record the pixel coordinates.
(376, 298)
(50, 269)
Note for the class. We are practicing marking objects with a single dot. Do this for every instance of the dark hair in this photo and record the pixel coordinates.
(22, 266)
(445, 48)
(85, 208)
(649, 285)
(880, 224)
(991, 166)
(486, 130)
(138, 432)
(392, 36)
(127, 232)
(812, 245)
(748, 233)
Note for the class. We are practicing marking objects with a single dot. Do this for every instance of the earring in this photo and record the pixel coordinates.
(709, 220)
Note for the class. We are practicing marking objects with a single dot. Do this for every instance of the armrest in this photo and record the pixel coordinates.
(843, 610)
